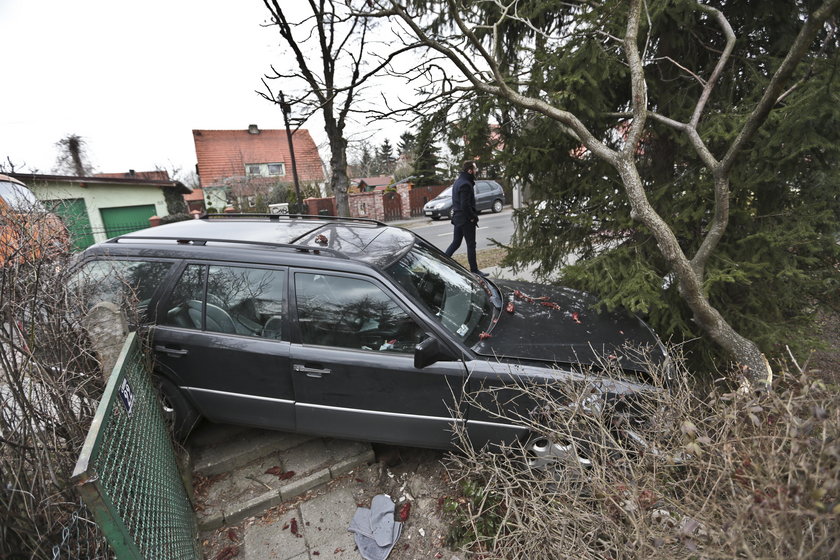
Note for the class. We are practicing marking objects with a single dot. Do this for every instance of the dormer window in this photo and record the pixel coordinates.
(265, 169)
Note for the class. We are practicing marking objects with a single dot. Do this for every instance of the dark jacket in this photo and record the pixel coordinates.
(463, 200)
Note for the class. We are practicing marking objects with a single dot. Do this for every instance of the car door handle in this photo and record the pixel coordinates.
(311, 372)
(171, 351)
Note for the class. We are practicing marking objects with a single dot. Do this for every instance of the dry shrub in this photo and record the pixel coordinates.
(675, 474)
(50, 386)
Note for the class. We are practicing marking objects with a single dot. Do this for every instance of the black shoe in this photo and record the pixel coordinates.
(479, 273)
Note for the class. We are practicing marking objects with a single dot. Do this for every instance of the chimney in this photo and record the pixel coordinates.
(131, 173)
(253, 129)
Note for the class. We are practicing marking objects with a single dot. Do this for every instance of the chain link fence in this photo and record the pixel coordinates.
(128, 472)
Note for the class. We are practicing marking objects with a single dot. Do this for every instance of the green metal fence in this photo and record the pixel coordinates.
(128, 474)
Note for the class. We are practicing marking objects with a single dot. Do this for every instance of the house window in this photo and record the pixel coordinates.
(265, 169)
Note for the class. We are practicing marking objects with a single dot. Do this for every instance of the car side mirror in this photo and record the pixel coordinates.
(430, 351)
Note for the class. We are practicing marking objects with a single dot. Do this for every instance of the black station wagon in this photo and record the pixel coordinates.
(342, 327)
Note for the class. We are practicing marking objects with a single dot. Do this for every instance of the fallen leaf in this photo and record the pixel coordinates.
(286, 475)
(405, 509)
(227, 552)
(231, 534)
(576, 318)
(484, 335)
(274, 471)
(294, 527)
(551, 305)
(509, 307)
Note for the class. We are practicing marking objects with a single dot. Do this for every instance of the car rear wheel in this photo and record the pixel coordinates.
(544, 454)
(497, 206)
(179, 413)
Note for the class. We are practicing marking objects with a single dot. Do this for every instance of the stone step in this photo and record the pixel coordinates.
(219, 448)
(224, 496)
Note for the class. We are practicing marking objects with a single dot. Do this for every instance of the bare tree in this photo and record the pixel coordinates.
(341, 41)
(482, 71)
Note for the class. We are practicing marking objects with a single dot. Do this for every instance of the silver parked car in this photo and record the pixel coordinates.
(489, 195)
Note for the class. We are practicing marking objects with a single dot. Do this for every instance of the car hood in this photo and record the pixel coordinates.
(560, 325)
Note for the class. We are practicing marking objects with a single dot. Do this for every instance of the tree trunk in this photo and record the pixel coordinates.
(754, 365)
(339, 182)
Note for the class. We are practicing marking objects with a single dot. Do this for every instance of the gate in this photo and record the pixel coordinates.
(392, 205)
(127, 473)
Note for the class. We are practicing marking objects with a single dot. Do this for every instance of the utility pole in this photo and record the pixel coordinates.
(286, 108)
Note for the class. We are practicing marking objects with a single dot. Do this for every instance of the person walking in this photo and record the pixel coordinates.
(465, 214)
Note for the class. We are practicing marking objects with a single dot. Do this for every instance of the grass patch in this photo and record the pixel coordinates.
(485, 258)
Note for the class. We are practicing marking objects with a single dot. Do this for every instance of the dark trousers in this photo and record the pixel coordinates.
(464, 232)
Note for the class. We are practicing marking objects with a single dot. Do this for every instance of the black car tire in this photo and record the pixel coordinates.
(497, 206)
(179, 412)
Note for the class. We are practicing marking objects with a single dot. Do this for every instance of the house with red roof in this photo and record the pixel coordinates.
(239, 166)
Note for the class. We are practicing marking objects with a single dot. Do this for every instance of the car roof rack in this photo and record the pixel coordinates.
(278, 217)
(204, 240)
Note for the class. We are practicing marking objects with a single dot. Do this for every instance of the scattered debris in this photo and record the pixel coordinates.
(227, 553)
(404, 512)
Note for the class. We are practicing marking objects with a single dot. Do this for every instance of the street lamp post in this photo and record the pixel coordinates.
(286, 108)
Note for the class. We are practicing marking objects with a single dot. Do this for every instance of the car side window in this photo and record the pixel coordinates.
(481, 187)
(237, 300)
(352, 313)
(128, 284)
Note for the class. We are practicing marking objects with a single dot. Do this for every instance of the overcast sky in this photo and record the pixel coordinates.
(133, 78)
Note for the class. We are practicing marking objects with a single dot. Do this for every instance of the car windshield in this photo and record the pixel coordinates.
(446, 193)
(19, 198)
(451, 294)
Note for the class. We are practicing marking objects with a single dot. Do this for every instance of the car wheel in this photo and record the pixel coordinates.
(542, 453)
(180, 414)
(497, 206)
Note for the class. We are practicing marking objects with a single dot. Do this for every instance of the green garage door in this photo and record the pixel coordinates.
(125, 219)
(74, 214)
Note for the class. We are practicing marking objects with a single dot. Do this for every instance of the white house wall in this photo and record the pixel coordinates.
(100, 196)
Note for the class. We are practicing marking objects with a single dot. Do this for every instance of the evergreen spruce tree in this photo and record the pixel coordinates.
(385, 158)
(777, 261)
(427, 158)
(407, 145)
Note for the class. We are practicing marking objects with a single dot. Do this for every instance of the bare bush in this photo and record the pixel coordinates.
(50, 386)
(675, 474)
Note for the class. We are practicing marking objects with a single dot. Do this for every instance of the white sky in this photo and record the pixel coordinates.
(134, 79)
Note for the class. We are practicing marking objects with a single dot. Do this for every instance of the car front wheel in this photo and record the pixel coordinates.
(179, 413)
(497, 206)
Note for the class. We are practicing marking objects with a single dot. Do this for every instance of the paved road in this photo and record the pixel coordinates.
(496, 226)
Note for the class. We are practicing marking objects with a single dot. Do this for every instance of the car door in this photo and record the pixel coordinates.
(221, 336)
(483, 195)
(353, 365)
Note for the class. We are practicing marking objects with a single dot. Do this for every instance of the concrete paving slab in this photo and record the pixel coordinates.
(325, 521)
(344, 466)
(298, 485)
(232, 448)
(310, 456)
(272, 541)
